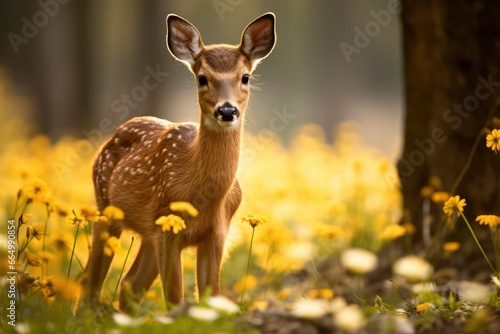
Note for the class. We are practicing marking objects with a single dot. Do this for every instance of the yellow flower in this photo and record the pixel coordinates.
(38, 230)
(451, 247)
(454, 206)
(60, 243)
(260, 305)
(112, 246)
(490, 220)
(26, 282)
(253, 220)
(320, 293)
(171, 222)
(184, 207)
(112, 212)
(32, 259)
(59, 209)
(284, 293)
(493, 140)
(246, 283)
(409, 228)
(440, 197)
(426, 192)
(76, 218)
(392, 231)
(48, 287)
(151, 295)
(423, 306)
(24, 219)
(329, 231)
(92, 215)
(38, 190)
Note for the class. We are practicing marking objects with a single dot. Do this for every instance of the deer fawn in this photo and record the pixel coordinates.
(149, 163)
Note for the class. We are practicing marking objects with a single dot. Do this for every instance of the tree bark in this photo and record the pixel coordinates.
(452, 78)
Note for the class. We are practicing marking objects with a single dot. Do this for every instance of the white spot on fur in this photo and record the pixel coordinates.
(174, 145)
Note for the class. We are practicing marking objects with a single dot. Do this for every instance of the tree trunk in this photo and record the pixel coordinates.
(452, 78)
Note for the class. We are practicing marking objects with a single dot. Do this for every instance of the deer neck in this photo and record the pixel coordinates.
(215, 152)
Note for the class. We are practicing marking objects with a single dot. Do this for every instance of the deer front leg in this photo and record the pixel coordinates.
(208, 264)
(170, 266)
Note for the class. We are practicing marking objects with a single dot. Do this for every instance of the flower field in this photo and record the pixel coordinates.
(317, 245)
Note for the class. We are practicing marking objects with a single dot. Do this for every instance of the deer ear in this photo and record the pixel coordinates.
(259, 38)
(183, 39)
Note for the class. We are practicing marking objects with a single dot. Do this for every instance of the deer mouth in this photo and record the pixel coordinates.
(225, 123)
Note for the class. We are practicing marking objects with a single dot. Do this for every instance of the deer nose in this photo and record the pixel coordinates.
(227, 113)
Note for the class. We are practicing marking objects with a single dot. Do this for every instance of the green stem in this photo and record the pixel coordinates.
(477, 243)
(19, 225)
(248, 265)
(72, 253)
(123, 269)
(496, 244)
(468, 162)
(44, 237)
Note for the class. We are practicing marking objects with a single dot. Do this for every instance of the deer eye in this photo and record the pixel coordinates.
(245, 79)
(202, 80)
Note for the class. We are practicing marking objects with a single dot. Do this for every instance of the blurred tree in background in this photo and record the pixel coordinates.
(452, 83)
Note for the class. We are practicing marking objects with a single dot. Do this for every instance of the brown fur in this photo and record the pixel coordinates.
(149, 163)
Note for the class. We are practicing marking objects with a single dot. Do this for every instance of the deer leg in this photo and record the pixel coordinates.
(99, 262)
(170, 267)
(208, 264)
(141, 275)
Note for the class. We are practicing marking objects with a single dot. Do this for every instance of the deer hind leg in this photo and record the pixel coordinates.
(98, 261)
(141, 275)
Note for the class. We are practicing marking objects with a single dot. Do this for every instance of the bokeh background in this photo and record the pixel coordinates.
(76, 62)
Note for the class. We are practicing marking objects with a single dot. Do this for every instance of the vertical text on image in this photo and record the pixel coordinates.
(12, 274)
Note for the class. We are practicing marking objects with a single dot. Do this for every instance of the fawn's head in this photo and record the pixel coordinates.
(222, 71)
